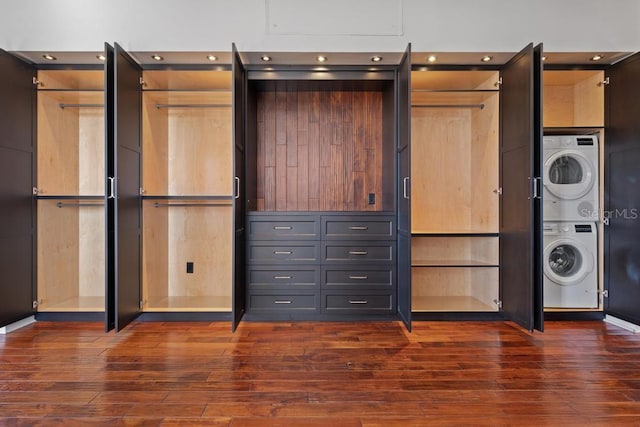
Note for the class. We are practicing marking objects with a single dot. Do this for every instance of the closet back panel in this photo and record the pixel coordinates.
(319, 150)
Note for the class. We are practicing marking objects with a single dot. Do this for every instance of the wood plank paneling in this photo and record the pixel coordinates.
(319, 150)
(299, 374)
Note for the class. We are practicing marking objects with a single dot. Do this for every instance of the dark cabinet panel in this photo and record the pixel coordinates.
(17, 277)
(622, 198)
(283, 302)
(289, 277)
(283, 227)
(518, 231)
(358, 228)
(283, 252)
(358, 252)
(127, 206)
(355, 302)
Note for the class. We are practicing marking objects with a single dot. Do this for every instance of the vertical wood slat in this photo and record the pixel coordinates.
(322, 150)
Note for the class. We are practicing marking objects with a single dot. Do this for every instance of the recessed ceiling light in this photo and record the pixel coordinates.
(212, 57)
(321, 58)
(157, 57)
(49, 57)
(265, 58)
(376, 58)
(432, 58)
(486, 58)
(597, 57)
(101, 57)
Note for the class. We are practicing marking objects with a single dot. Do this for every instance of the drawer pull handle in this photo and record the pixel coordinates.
(358, 301)
(358, 277)
(282, 277)
(358, 227)
(282, 227)
(285, 301)
(283, 252)
(357, 252)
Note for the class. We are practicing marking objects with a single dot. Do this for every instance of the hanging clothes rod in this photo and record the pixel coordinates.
(171, 205)
(63, 106)
(77, 205)
(480, 106)
(193, 106)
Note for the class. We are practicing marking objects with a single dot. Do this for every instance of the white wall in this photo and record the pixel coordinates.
(431, 25)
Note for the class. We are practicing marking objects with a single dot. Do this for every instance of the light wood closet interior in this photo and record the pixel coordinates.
(70, 183)
(187, 179)
(454, 206)
(573, 103)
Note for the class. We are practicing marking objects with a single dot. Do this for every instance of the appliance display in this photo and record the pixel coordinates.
(570, 265)
(570, 178)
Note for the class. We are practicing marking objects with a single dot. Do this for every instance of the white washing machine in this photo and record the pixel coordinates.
(570, 178)
(570, 265)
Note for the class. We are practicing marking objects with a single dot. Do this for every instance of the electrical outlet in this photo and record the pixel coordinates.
(189, 267)
(372, 198)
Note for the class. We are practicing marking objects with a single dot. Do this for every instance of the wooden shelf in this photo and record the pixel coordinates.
(187, 80)
(189, 303)
(450, 303)
(71, 79)
(451, 263)
(456, 98)
(76, 304)
(454, 80)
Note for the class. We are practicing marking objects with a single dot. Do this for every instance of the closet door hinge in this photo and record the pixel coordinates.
(36, 82)
(141, 190)
(498, 191)
(35, 191)
(605, 82)
(142, 82)
(498, 303)
(142, 303)
(498, 83)
(605, 221)
(36, 303)
(605, 293)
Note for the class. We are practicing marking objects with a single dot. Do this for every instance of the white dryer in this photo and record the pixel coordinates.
(570, 265)
(570, 178)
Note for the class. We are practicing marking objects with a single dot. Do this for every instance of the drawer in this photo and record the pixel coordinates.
(377, 277)
(283, 227)
(358, 303)
(274, 277)
(358, 252)
(283, 302)
(358, 227)
(285, 252)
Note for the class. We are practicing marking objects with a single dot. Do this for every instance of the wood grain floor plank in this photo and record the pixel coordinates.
(312, 374)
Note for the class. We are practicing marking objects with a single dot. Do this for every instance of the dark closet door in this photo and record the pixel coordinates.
(109, 109)
(538, 236)
(622, 194)
(518, 227)
(17, 163)
(239, 205)
(404, 188)
(125, 197)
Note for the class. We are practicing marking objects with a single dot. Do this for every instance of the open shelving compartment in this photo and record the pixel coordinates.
(455, 205)
(70, 191)
(574, 104)
(187, 212)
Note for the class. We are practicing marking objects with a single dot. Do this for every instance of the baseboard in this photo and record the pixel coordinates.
(17, 325)
(631, 327)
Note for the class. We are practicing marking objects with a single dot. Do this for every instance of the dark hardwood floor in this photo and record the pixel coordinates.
(320, 374)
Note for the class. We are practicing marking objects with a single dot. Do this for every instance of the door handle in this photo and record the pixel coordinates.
(237, 195)
(536, 191)
(112, 187)
(405, 189)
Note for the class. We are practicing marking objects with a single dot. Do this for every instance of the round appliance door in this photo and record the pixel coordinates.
(569, 174)
(567, 261)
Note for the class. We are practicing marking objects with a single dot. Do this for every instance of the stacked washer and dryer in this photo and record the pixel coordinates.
(570, 214)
